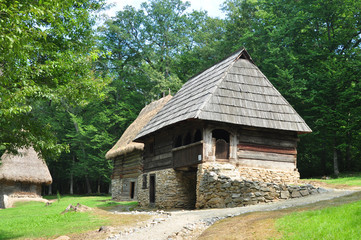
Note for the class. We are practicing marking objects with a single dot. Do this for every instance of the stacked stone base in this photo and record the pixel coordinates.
(173, 189)
(121, 189)
(224, 185)
(220, 185)
(269, 175)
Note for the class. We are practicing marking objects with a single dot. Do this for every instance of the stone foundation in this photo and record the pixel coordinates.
(269, 175)
(224, 185)
(116, 188)
(173, 189)
(121, 189)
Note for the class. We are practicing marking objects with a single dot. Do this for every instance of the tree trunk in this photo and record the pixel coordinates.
(50, 190)
(335, 160)
(348, 152)
(98, 190)
(89, 189)
(71, 190)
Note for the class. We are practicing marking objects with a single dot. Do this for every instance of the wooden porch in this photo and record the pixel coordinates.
(188, 155)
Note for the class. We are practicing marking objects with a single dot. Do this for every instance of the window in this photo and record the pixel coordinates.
(187, 139)
(24, 187)
(144, 185)
(178, 141)
(198, 136)
(150, 148)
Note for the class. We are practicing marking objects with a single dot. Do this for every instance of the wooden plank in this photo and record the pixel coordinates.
(273, 134)
(266, 141)
(263, 148)
(132, 175)
(166, 163)
(244, 154)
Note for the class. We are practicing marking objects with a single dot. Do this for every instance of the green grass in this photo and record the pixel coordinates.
(353, 179)
(342, 222)
(34, 219)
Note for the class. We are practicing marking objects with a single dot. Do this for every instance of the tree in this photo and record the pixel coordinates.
(310, 50)
(46, 52)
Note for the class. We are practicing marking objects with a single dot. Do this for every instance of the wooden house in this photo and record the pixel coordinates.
(21, 176)
(127, 155)
(227, 122)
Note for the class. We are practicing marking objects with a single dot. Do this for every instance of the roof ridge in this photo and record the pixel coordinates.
(216, 86)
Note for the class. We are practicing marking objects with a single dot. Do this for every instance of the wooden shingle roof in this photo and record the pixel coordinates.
(231, 91)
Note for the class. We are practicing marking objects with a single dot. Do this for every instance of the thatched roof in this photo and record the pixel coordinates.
(125, 144)
(26, 166)
(232, 91)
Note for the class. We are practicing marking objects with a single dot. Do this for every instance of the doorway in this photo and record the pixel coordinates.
(132, 189)
(221, 138)
(152, 188)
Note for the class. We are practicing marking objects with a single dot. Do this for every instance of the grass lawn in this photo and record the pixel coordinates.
(353, 179)
(342, 222)
(35, 220)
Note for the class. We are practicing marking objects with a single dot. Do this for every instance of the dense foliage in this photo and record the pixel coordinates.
(62, 89)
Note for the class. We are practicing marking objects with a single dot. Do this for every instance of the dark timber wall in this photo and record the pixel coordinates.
(267, 148)
(127, 168)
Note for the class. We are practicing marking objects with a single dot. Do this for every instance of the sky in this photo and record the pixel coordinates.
(211, 6)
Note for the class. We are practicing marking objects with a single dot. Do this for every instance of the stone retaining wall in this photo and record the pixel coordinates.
(173, 189)
(222, 185)
(116, 188)
(269, 175)
(121, 189)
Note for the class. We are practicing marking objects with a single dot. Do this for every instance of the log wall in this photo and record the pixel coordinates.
(10, 192)
(127, 168)
(267, 148)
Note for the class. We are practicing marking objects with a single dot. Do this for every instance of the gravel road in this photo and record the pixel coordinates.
(183, 223)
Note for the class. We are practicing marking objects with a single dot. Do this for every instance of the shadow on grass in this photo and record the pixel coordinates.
(8, 235)
(118, 206)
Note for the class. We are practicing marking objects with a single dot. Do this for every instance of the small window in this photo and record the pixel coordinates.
(178, 141)
(24, 187)
(188, 139)
(151, 148)
(144, 185)
(198, 136)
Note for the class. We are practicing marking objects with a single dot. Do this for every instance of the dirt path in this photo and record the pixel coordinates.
(190, 224)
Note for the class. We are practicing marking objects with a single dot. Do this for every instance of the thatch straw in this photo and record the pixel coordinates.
(125, 144)
(26, 166)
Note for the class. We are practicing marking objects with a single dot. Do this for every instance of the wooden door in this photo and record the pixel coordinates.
(152, 188)
(222, 149)
(132, 189)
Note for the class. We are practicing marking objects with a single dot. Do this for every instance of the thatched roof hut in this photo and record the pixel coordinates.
(26, 167)
(125, 144)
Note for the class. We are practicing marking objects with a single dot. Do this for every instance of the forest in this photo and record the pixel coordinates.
(70, 85)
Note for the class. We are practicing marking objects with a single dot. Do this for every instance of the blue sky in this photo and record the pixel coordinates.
(211, 6)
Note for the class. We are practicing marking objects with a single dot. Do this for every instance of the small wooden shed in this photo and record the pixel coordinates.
(227, 122)
(127, 155)
(21, 176)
